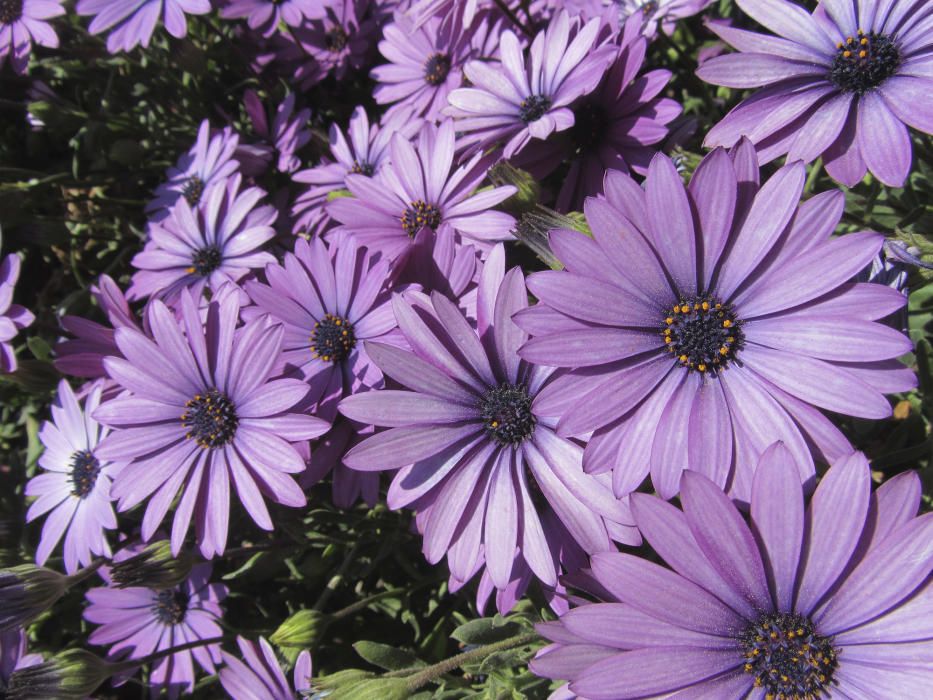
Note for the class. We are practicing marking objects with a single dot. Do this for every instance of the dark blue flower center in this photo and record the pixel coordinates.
(506, 413)
(863, 62)
(436, 69)
(170, 606)
(788, 658)
(205, 261)
(363, 168)
(84, 471)
(193, 189)
(419, 215)
(590, 122)
(533, 108)
(703, 334)
(10, 11)
(211, 419)
(332, 338)
(336, 39)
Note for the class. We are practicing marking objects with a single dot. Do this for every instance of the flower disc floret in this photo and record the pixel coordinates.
(333, 338)
(84, 471)
(507, 416)
(193, 190)
(534, 107)
(205, 260)
(864, 62)
(336, 39)
(211, 419)
(436, 69)
(171, 606)
(10, 11)
(419, 215)
(703, 334)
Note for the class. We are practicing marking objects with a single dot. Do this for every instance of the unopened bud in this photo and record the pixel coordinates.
(373, 689)
(26, 591)
(529, 191)
(301, 630)
(74, 673)
(534, 227)
(153, 567)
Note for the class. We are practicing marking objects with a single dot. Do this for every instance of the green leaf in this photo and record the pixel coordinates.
(387, 657)
(485, 630)
(374, 689)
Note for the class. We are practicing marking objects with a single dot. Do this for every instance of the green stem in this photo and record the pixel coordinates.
(512, 16)
(82, 574)
(159, 655)
(337, 578)
(361, 604)
(812, 175)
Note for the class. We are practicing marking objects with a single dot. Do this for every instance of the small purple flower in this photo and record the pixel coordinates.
(134, 21)
(200, 412)
(218, 241)
(74, 490)
(139, 621)
(288, 134)
(521, 97)
(698, 325)
(13, 317)
(265, 16)
(469, 448)
(21, 24)
(842, 83)
(659, 12)
(259, 676)
(829, 601)
(13, 655)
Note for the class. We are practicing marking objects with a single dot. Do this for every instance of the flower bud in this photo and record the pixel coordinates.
(301, 630)
(533, 229)
(153, 567)
(26, 591)
(529, 191)
(74, 673)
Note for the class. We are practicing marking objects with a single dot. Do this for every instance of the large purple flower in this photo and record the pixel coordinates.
(200, 411)
(829, 601)
(133, 21)
(13, 317)
(259, 676)
(139, 621)
(22, 22)
(843, 83)
(265, 16)
(74, 490)
(701, 324)
(469, 447)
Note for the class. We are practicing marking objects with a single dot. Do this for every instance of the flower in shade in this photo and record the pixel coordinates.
(22, 22)
(265, 16)
(132, 22)
(13, 317)
(289, 132)
(74, 491)
(220, 240)
(842, 83)
(137, 622)
(200, 412)
(210, 161)
(482, 468)
(347, 485)
(13, 655)
(419, 190)
(526, 97)
(259, 676)
(829, 601)
(701, 324)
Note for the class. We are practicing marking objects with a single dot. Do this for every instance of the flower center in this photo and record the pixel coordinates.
(170, 606)
(436, 69)
(703, 334)
(507, 416)
(589, 124)
(193, 188)
(10, 11)
(336, 39)
(787, 657)
(204, 261)
(419, 215)
(863, 62)
(332, 338)
(363, 168)
(84, 471)
(533, 108)
(211, 419)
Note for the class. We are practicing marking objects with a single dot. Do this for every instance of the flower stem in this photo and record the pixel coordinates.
(512, 16)
(81, 574)
(157, 656)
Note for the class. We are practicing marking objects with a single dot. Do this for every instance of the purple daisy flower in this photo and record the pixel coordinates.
(21, 24)
(133, 21)
(289, 132)
(218, 241)
(139, 621)
(13, 317)
(701, 324)
(265, 16)
(200, 411)
(419, 189)
(469, 448)
(842, 83)
(74, 491)
(521, 98)
(829, 601)
(259, 676)
(13, 655)
(210, 161)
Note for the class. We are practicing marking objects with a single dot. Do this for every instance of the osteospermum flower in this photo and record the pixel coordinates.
(137, 622)
(13, 317)
(21, 24)
(842, 83)
(265, 16)
(74, 490)
(832, 601)
(663, 13)
(469, 448)
(701, 324)
(259, 676)
(200, 412)
(132, 22)
(288, 133)
(525, 97)
(418, 190)
(216, 242)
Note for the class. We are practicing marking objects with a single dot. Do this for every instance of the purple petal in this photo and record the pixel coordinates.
(399, 447)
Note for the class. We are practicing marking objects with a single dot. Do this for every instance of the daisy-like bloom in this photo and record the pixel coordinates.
(259, 676)
(701, 324)
(289, 132)
(218, 241)
(210, 161)
(140, 621)
(74, 491)
(22, 22)
(199, 412)
(831, 601)
(13, 317)
(265, 16)
(132, 22)
(469, 447)
(526, 97)
(843, 83)
(418, 189)
(13, 655)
